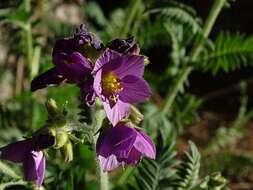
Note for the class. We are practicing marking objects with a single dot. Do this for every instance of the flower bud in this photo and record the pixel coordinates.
(44, 138)
(68, 152)
(61, 139)
(55, 116)
(135, 115)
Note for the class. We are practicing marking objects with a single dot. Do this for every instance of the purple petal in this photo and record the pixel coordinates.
(108, 57)
(108, 164)
(135, 89)
(65, 45)
(33, 166)
(116, 113)
(145, 145)
(16, 152)
(41, 171)
(121, 143)
(133, 158)
(97, 83)
(88, 93)
(122, 65)
(48, 78)
(75, 67)
(130, 65)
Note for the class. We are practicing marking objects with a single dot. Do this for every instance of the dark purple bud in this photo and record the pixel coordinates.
(49, 78)
(74, 67)
(27, 153)
(17, 151)
(124, 46)
(83, 37)
(44, 138)
(122, 145)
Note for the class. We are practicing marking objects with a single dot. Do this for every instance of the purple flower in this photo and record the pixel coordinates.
(122, 145)
(71, 62)
(33, 160)
(118, 81)
(124, 46)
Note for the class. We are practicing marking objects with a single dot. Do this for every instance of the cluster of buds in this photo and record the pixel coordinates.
(112, 74)
(30, 151)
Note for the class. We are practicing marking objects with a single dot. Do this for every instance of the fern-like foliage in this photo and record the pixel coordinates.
(156, 174)
(188, 170)
(231, 51)
(180, 13)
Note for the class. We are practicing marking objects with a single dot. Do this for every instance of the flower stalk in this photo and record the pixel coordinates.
(171, 94)
(102, 176)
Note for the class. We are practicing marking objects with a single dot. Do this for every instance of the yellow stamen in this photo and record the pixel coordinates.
(111, 86)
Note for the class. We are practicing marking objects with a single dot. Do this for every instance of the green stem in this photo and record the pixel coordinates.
(27, 5)
(29, 47)
(101, 176)
(132, 11)
(216, 9)
(171, 94)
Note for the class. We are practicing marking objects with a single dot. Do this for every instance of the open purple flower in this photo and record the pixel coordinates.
(33, 160)
(71, 62)
(122, 145)
(118, 81)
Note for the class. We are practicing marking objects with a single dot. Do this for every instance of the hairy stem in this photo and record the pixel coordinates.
(101, 176)
(171, 94)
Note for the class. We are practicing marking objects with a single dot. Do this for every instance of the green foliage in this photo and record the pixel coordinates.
(188, 170)
(231, 52)
(179, 13)
(156, 174)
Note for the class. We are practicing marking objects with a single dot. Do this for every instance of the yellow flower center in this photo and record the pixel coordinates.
(111, 86)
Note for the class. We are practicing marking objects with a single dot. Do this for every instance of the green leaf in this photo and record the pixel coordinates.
(188, 170)
(231, 52)
(4, 168)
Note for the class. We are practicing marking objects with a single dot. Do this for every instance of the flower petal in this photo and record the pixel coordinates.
(74, 67)
(116, 113)
(65, 45)
(135, 89)
(122, 65)
(31, 165)
(145, 145)
(41, 171)
(133, 158)
(117, 140)
(49, 78)
(16, 152)
(130, 65)
(97, 83)
(108, 57)
(108, 164)
(87, 92)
